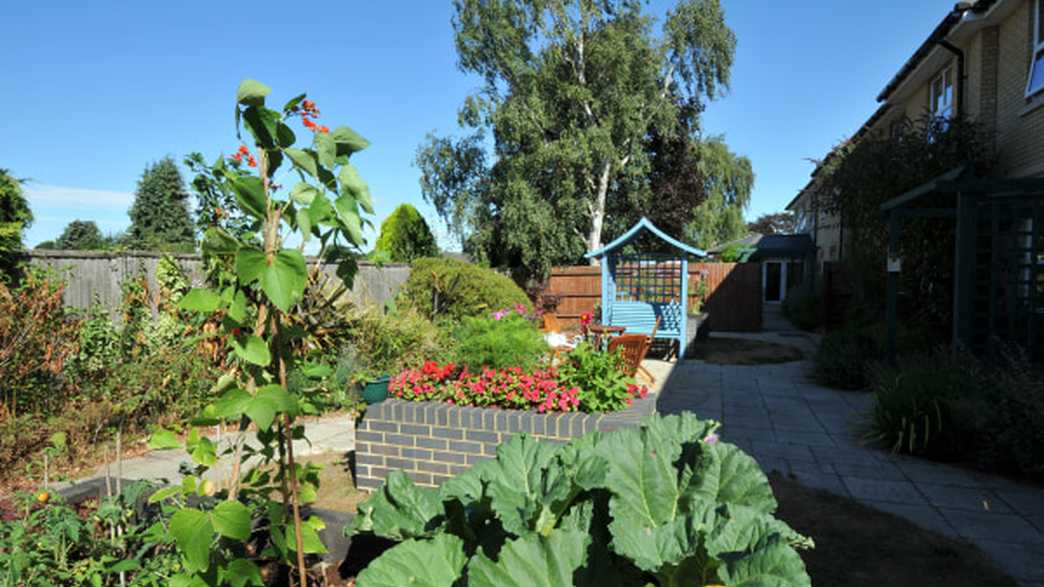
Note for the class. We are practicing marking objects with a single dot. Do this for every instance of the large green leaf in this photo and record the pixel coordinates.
(263, 123)
(726, 474)
(216, 241)
(528, 485)
(532, 561)
(772, 563)
(303, 193)
(423, 563)
(284, 280)
(163, 439)
(241, 572)
(232, 520)
(265, 404)
(252, 349)
(232, 404)
(252, 92)
(193, 533)
(251, 262)
(348, 214)
(325, 149)
(250, 193)
(305, 160)
(200, 300)
(399, 510)
(348, 141)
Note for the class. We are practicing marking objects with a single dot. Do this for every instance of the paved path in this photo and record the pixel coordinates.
(330, 434)
(790, 424)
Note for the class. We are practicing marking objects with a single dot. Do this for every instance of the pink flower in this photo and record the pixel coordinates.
(520, 308)
(499, 314)
(712, 438)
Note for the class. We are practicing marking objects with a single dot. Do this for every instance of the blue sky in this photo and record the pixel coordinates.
(94, 91)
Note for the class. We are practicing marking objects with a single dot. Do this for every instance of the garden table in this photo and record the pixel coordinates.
(600, 330)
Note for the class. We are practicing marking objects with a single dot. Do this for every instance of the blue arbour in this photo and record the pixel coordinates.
(260, 281)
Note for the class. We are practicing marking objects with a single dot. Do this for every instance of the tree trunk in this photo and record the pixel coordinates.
(594, 238)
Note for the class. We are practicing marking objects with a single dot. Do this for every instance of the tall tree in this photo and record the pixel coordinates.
(160, 216)
(774, 223)
(728, 180)
(15, 217)
(81, 235)
(572, 91)
(404, 236)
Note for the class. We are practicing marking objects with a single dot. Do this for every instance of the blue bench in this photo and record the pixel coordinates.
(640, 318)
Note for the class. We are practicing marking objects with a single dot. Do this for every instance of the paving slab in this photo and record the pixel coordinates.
(971, 499)
(1010, 528)
(877, 490)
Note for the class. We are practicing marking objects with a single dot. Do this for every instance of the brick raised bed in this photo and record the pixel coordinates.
(431, 442)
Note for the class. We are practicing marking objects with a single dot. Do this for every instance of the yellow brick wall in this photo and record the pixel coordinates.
(1020, 133)
(973, 78)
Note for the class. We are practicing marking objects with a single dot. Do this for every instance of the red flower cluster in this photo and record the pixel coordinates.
(586, 318)
(307, 110)
(506, 388)
(244, 152)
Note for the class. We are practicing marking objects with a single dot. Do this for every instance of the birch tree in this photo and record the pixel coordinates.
(571, 92)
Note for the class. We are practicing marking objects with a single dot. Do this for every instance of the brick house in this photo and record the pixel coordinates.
(983, 62)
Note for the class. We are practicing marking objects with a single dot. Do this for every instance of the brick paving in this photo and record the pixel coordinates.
(792, 425)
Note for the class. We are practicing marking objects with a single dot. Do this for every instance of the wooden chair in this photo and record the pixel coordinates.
(634, 347)
(551, 323)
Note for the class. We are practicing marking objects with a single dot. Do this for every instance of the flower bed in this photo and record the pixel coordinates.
(510, 388)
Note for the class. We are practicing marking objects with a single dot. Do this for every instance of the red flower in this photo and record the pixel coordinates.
(251, 161)
(237, 157)
(586, 318)
(243, 150)
(307, 123)
(324, 129)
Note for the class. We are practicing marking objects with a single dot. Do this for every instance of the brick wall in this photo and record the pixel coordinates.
(1020, 121)
(431, 442)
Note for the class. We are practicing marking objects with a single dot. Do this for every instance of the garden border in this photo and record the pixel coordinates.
(432, 441)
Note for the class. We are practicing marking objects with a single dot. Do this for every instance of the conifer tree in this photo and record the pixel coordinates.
(160, 217)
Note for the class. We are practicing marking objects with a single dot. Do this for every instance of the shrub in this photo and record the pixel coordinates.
(98, 345)
(388, 343)
(504, 388)
(49, 542)
(600, 377)
(404, 236)
(663, 503)
(803, 306)
(444, 287)
(1010, 416)
(844, 358)
(36, 339)
(917, 406)
(506, 340)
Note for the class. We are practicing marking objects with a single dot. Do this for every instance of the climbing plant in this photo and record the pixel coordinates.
(262, 280)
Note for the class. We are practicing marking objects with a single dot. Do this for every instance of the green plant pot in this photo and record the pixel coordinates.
(376, 391)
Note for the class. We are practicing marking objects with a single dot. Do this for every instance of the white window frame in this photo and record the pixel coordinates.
(946, 112)
(1038, 49)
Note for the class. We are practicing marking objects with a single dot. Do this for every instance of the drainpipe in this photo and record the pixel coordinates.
(960, 74)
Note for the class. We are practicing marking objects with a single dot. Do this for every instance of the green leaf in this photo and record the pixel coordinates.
(532, 561)
(200, 300)
(399, 510)
(348, 141)
(242, 572)
(423, 563)
(304, 223)
(321, 211)
(252, 92)
(311, 543)
(728, 475)
(216, 241)
(527, 485)
(772, 563)
(305, 160)
(163, 439)
(250, 264)
(165, 492)
(304, 193)
(351, 181)
(325, 148)
(263, 124)
(124, 566)
(232, 404)
(193, 533)
(263, 407)
(285, 136)
(285, 279)
(237, 310)
(232, 520)
(203, 452)
(348, 214)
(250, 194)
(252, 349)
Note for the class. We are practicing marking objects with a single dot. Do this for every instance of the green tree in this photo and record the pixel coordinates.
(572, 91)
(728, 180)
(15, 217)
(160, 217)
(81, 235)
(405, 236)
(774, 223)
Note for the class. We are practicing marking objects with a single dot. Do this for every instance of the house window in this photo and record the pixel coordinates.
(942, 96)
(1036, 73)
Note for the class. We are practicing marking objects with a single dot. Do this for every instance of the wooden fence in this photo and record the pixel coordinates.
(733, 293)
(97, 276)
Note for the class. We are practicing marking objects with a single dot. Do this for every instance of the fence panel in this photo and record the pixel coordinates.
(733, 293)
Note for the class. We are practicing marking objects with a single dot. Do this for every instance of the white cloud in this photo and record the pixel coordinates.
(53, 196)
